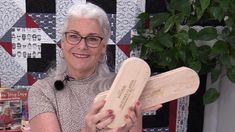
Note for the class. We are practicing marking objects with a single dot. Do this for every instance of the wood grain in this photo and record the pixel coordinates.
(165, 87)
(126, 88)
(133, 82)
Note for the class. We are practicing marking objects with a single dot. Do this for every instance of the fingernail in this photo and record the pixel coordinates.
(126, 116)
(109, 112)
(138, 103)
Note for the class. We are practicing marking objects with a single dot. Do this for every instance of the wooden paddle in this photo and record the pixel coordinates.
(159, 89)
(126, 88)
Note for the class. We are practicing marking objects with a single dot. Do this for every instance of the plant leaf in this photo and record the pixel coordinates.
(143, 16)
(231, 39)
(217, 12)
(225, 60)
(204, 52)
(210, 96)
(183, 6)
(169, 23)
(138, 39)
(192, 34)
(233, 54)
(204, 4)
(224, 3)
(204, 49)
(182, 36)
(163, 59)
(179, 19)
(155, 45)
(231, 74)
(133, 46)
(199, 12)
(143, 52)
(229, 22)
(195, 65)
(208, 33)
(215, 74)
(159, 19)
(181, 55)
(166, 40)
(193, 49)
(219, 48)
(225, 32)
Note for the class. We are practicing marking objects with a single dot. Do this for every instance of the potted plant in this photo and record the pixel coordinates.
(169, 39)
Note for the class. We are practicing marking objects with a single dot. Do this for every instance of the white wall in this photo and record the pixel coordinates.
(219, 116)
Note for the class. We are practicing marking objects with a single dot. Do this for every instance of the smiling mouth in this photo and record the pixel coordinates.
(80, 55)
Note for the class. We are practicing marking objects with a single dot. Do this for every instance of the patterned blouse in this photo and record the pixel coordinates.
(69, 104)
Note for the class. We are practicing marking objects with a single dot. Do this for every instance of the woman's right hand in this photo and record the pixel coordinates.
(95, 120)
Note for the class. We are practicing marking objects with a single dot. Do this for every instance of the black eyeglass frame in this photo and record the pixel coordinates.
(85, 38)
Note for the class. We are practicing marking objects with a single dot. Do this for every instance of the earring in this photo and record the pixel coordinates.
(61, 54)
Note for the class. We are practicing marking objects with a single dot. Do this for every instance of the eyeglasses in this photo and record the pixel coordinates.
(74, 39)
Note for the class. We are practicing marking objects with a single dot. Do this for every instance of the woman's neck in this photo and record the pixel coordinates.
(77, 75)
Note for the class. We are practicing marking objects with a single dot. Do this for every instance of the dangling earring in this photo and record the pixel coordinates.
(61, 54)
(103, 59)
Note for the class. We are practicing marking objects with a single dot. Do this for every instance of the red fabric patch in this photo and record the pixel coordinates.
(31, 80)
(30, 23)
(7, 46)
(172, 116)
(125, 49)
(59, 44)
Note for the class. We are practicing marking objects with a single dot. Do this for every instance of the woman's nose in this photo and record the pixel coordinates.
(82, 44)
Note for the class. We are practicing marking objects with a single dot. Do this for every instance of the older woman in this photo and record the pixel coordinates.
(64, 100)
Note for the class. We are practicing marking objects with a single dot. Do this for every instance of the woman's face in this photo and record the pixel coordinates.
(81, 59)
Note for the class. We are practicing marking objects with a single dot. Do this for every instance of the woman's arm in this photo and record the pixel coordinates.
(42, 114)
(45, 122)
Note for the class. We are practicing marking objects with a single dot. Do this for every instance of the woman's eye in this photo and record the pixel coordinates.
(93, 38)
(73, 36)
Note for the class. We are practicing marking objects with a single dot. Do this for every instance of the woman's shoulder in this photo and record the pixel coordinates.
(45, 84)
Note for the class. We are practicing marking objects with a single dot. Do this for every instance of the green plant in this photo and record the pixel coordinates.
(169, 40)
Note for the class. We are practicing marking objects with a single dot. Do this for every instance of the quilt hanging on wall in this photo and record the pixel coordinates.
(30, 45)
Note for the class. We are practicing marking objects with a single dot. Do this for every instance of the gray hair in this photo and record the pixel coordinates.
(91, 11)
